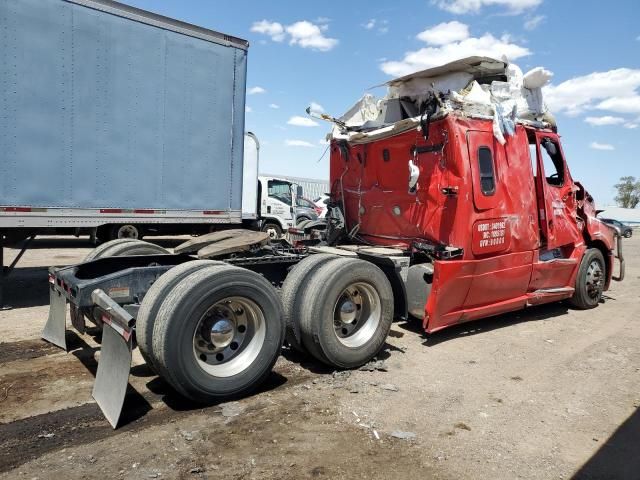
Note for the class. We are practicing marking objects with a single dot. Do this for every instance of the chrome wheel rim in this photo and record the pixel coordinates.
(229, 336)
(128, 231)
(357, 314)
(595, 278)
(273, 233)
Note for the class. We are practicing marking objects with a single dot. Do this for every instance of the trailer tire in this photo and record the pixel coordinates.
(292, 290)
(98, 251)
(347, 311)
(273, 229)
(153, 300)
(128, 247)
(589, 280)
(301, 224)
(229, 310)
(126, 230)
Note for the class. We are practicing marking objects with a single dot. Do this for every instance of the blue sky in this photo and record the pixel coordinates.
(331, 52)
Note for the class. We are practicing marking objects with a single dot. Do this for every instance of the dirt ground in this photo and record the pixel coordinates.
(548, 393)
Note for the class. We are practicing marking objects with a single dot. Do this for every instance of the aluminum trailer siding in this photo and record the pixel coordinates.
(110, 114)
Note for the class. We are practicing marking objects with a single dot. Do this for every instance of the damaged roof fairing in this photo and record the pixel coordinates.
(478, 67)
(478, 87)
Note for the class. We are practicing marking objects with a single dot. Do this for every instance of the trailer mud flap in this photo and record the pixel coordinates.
(56, 326)
(112, 377)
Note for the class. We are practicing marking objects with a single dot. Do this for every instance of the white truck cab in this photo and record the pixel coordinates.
(269, 200)
(277, 200)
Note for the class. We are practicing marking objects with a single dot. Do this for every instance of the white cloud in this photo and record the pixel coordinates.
(601, 146)
(308, 35)
(248, 109)
(630, 126)
(323, 141)
(302, 122)
(614, 90)
(323, 20)
(256, 90)
(274, 29)
(606, 120)
(298, 143)
(533, 22)
(304, 33)
(381, 26)
(443, 33)
(438, 54)
(275, 106)
(474, 6)
(316, 107)
(630, 104)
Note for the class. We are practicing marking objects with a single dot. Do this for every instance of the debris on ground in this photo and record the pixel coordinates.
(390, 387)
(372, 366)
(232, 409)
(403, 435)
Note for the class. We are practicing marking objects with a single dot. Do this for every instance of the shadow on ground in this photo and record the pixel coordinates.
(619, 456)
(475, 327)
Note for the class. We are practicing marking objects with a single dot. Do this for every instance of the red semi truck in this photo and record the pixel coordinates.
(438, 210)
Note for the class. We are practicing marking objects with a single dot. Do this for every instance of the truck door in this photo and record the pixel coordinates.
(557, 207)
(278, 202)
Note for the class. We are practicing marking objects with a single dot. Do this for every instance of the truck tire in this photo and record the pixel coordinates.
(126, 230)
(291, 293)
(273, 229)
(218, 333)
(127, 247)
(152, 302)
(589, 280)
(347, 310)
(98, 251)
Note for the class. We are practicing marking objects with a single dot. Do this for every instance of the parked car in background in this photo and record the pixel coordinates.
(306, 210)
(321, 204)
(625, 230)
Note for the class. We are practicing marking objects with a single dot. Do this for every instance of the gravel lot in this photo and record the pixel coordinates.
(546, 393)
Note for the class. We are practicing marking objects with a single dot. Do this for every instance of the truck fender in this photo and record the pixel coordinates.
(396, 269)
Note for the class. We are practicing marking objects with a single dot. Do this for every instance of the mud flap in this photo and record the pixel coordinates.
(56, 326)
(112, 377)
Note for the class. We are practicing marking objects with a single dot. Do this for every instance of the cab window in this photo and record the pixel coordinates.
(280, 190)
(552, 161)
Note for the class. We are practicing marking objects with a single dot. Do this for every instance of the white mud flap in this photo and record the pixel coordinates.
(112, 376)
(56, 326)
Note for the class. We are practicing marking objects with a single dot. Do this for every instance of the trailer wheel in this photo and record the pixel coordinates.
(152, 302)
(291, 293)
(98, 251)
(589, 280)
(128, 247)
(273, 229)
(347, 310)
(218, 333)
(126, 231)
(302, 223)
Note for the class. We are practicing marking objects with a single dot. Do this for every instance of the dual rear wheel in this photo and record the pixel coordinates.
(338, 309)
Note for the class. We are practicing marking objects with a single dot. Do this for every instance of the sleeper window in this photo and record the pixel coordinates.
(487, 174)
